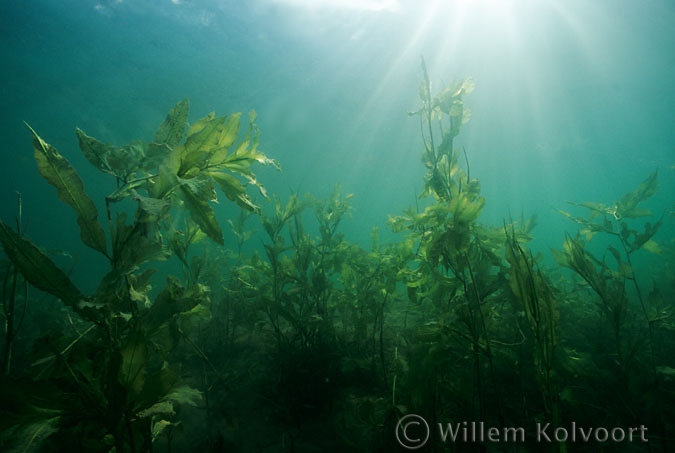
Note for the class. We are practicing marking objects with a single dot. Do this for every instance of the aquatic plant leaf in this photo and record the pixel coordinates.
(237, 164)
(174, 299)
(166, 180)
(634, 213)
(465, 209)
(160, 408)
(635, 239)
(125, 190)
(200, 185)
(173, 127)
(200, 124)
(159, 380)
(94, 151)
(246, 154)
(32, 411)
(615, 253)
(151, 210)
(37, 268)
(666, 372)
(59, 173)
(115, 160)
(584, 264)
(234, 190)
(32, 434)
(652, 247)
(595, 207)
(206, 137)
(590, 228)
(128, 158)
(417, 280)
(205, 151)
(132, 246)
(139, 287)
(626, 207)
(227, 136)
(155, 155)
(180, 241)
(132, 370)
(196, 193)
(159, 426)
(534, 292)
(467, 87)
(184, 394)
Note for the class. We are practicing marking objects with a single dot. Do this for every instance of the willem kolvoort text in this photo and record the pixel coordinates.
(478, 432)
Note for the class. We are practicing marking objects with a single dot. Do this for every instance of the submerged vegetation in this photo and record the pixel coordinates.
(305, 341)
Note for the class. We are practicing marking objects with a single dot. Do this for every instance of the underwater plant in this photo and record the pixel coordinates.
(292, 338)
(116, 385)
(619, 293)
(609, 283)
(537, 297)
(457, 265)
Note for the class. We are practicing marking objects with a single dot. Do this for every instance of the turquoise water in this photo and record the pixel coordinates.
(574, 101)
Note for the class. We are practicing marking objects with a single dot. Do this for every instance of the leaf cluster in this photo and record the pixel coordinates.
(122, 385)
(614, 219)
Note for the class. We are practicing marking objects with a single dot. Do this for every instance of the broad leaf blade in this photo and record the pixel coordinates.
(627, 206)
(59, 173)
(196, 196)
(95, 151)
(234, 190)
(203, 139)
(172, 129)
(227, 137)
(185, 394)
(132, 246)
(119, 161)
(133, 368)
(37, 268)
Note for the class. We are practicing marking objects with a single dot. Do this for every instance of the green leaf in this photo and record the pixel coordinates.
(151, 210)
(59, 173)
(119, 161)
(161, 408)
(37, 268)
(174, 300)
(155, 155)
(132, 246)
(652, 247)
(166, 180)
(233, 189)
(228, 135)
(172, 129)
(30, 436)
(626, 207)
(560, 257)
(126, 190)
(184, 395)
(634, 213)
(133, 370)
(95, 151)
(596, 207)
(204, 138)
(196, 194)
